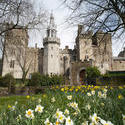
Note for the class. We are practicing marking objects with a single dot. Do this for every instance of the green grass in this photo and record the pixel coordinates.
(109, 108)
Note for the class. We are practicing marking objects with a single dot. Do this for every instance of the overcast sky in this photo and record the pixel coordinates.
(66, 33)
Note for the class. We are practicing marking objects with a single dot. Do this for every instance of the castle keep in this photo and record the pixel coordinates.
(90, 50)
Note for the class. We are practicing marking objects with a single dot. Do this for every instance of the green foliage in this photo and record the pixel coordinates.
(8, 80)
(35, 79)
(56, 80)
(92, 72)
(112, 79)
(1, 82)
(45, 80)
(114, 75)
(109, 108)
(51, 80)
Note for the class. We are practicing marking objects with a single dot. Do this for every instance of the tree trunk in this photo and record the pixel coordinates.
(24, 78)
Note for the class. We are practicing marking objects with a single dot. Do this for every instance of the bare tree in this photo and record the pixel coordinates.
(105, 15)
(15, 15)
(24, 60)
(20, 12)
(19, 59)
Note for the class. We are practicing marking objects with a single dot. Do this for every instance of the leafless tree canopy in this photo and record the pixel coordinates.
(14, 15)
(20, 12)
(105, 15)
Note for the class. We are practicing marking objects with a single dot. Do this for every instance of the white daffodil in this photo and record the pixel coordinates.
(39, 108)
(89, 94)
(61, 118)
(69, 121)
(47, 122)
(19, 117)
(66, 112)
(39, 100)
(53, 99)
(57, 122)
(85, 123)
(75, 113)
(103, 122)
(95, 119)
(99, 94)
(58, 114)
(88, 107)
(16, 102)
(29, 114)
(74, 105)
(105, 90)
(69, 97)
(93, 92)
(104, 95)
(12, 108)
(102, 104)
(123, 117)
(93, 123)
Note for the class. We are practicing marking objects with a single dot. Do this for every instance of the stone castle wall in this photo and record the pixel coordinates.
(17, 54)
(97, 50)
(118, 64)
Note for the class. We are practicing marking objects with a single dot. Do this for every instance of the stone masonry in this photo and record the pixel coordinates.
(90, 50)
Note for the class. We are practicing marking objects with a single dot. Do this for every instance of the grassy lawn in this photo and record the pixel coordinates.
(66, 106)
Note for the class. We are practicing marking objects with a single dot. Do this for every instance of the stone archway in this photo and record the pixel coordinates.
(81, 76)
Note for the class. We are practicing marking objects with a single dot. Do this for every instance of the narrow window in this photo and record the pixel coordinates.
(12, 63)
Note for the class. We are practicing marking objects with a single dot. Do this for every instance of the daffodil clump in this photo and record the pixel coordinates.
(74, 105)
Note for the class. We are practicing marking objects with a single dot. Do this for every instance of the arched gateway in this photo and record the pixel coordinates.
(78, 72)
(81, 76)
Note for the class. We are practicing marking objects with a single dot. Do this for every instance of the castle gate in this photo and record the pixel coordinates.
(82, 76)
(77, 71)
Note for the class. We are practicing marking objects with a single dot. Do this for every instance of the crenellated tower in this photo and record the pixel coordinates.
(51, 45)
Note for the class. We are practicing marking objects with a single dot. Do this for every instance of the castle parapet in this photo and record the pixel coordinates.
(51, 40)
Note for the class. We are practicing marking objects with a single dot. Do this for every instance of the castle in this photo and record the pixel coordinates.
(89, 50)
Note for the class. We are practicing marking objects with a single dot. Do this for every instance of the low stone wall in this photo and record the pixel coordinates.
(116, 81)
(3, 91)
(28, 90)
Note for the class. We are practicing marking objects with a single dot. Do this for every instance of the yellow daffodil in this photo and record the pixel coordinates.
(9, 106)
(62, 89)
(44, 96)
(120, 96)
(27, 96)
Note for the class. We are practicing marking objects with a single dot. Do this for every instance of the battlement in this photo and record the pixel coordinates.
(51, 40)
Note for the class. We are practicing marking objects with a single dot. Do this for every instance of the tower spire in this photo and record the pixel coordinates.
(51, 30)
(52, 22)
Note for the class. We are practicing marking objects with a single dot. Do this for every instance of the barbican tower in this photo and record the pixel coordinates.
(51, 45)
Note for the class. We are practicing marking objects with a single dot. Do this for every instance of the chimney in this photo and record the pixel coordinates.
(66, 47)
(80, 27)
(36, 45)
